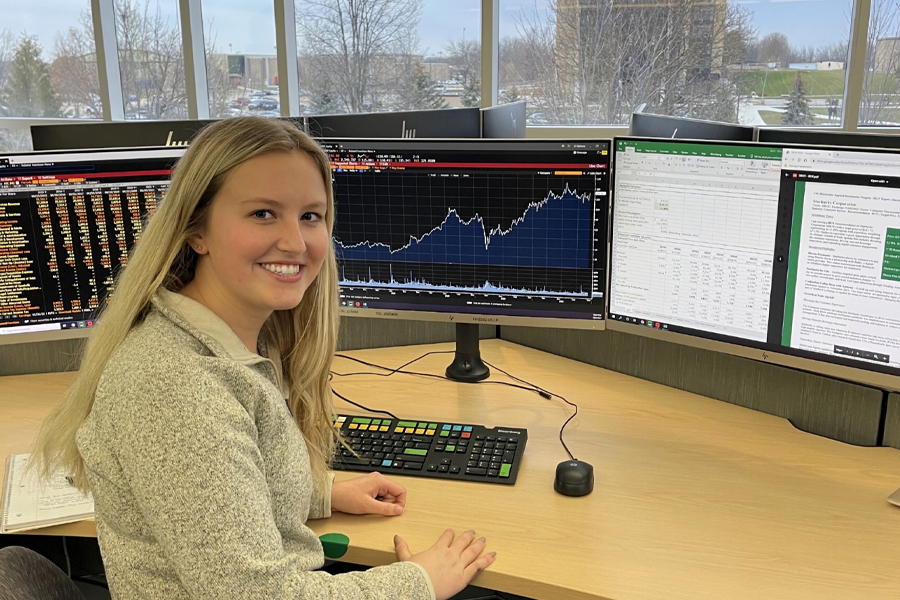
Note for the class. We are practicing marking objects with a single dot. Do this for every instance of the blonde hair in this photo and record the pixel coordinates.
(305, 336)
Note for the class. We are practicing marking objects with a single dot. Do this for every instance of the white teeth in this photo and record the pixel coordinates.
(287, 270)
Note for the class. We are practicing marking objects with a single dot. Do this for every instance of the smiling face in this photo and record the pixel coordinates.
(263, 243)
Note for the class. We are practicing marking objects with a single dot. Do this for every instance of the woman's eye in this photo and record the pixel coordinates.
(311, 216)
(263, 214)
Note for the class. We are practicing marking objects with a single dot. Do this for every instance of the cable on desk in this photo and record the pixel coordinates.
(528, 386)
(544, 394)
(390, 371)
(365, 408)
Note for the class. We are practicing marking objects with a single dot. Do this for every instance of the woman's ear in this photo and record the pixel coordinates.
(196, 242)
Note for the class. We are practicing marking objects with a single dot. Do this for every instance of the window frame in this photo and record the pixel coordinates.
(285, 34)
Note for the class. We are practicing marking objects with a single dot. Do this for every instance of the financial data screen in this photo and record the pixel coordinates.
(489, 228)
(794, 249)
(67, 222)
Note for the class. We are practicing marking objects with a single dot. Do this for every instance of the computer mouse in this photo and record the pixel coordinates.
(574, 478)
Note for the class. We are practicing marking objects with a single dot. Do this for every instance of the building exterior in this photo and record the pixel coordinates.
(887, 55)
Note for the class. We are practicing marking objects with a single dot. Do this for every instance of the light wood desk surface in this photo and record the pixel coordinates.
(694, 498)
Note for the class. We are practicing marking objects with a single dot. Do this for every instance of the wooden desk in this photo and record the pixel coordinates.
(694, 498)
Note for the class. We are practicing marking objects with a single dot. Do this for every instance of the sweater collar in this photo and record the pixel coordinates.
(212, 331)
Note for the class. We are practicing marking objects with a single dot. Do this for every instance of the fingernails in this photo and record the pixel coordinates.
(482, 540)
(396, 539)
(493, 555)
(398, 509)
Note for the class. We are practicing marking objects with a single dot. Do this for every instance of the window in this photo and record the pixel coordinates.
(48, 66)
(755, 62)
(384, 55)
(151, 59)
(241, 62)
(880, 101)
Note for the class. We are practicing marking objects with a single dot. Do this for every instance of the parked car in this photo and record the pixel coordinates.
(263, 104)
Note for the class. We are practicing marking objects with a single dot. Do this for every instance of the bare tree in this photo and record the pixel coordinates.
(348, 45)
(7, 49)
(152, 62)
(73, 71)
(880, 87)
(775, 48)
(218, 81)
(596, 62)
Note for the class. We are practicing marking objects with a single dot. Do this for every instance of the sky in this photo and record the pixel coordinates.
(247, 26)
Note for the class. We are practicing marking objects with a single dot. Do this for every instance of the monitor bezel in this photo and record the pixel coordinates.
(834, 367)
(454, 317)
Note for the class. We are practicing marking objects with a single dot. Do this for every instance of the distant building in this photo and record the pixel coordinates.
(694, 29)
(887, 55)
(830, 65)
(256, 70)
(802, 66)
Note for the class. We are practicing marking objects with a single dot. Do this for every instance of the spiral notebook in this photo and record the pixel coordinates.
(28, 505)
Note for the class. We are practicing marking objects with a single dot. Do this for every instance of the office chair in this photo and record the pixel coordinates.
(26, 575)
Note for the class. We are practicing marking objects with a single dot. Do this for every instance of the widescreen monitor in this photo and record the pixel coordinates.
(661, 126)
(472, 232)
(437, 123)
(67, 223)
(785, 254)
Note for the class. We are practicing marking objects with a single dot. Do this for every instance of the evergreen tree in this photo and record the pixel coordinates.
(471, 94)
(424, 93)
(323, 102)
(513, 95)
(796, 111)
(28, 92)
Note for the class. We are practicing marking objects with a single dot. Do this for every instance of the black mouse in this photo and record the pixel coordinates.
(574, 478)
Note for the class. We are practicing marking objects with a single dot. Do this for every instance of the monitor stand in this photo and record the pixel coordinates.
(467, 366)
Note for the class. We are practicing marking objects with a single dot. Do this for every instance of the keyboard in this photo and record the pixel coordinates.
(459, 451)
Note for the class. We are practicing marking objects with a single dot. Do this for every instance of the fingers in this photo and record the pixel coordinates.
(471, 552)
(390, 488)
(382, 507)
(445, 539)
(479, 565)
(463, 541)
(401, 548)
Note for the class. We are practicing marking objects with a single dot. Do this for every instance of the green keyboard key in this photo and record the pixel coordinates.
(504, 469)
(415, 451)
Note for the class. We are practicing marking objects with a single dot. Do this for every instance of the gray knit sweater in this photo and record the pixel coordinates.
(201, 479)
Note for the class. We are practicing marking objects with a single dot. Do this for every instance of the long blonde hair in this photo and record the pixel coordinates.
(305, 336)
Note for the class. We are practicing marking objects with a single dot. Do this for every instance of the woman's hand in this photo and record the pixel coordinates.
(372, 494)
(451, 563)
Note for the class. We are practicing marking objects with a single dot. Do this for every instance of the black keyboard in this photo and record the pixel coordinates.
(431, 449)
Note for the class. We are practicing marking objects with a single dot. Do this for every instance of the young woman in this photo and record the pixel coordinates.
(201, 415)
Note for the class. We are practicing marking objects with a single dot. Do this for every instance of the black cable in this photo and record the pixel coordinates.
(528, 386)
(365, 408)
(390, 371)
(548, 395)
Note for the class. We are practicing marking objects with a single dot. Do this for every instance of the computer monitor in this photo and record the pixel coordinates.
(437, 123)
(67, 222)
(506, 121)
(472, 232)
(823, 137)
(784, 254)
(123, 134)
(660, 126)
